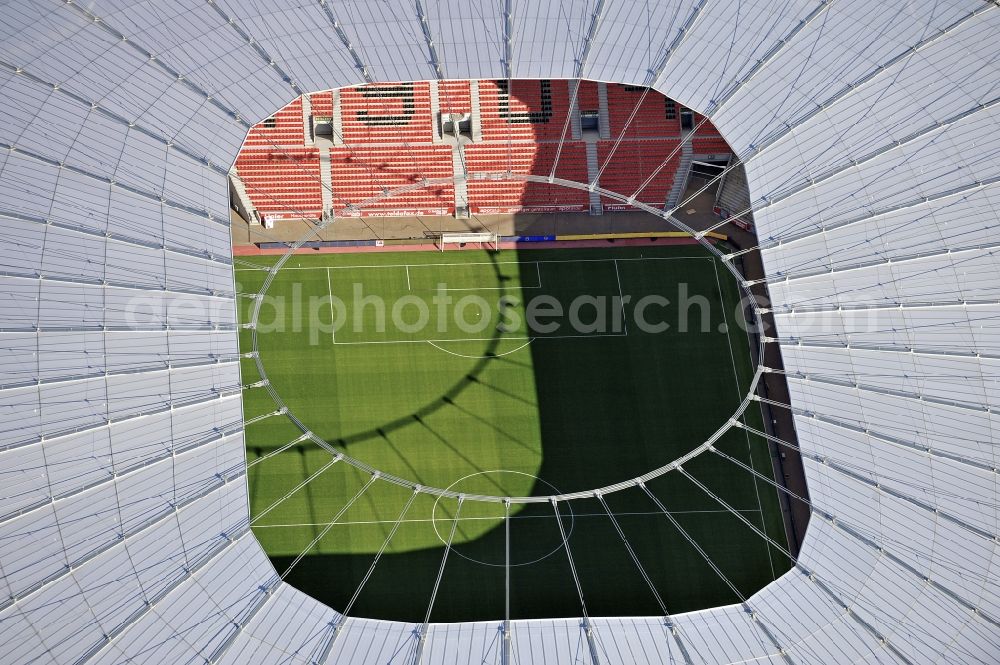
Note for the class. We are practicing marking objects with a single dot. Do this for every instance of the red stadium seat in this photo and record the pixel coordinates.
(633, 163)
(388, 132)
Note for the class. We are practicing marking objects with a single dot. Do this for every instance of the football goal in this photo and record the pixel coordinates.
(483, 240)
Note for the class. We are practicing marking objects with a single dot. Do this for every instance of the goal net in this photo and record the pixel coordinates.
(483, 240)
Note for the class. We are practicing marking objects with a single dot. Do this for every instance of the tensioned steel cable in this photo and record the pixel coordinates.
(865, 536)
(721, 575)
(588, 628)
(311, 477)
(345, 614)
(423, 630)
(671, 625)
(326, 530)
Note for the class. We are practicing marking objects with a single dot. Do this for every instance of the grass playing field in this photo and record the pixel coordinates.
(449, 387)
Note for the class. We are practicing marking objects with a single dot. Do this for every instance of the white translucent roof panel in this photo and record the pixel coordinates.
(547, 37)
(621, 46)
(194, 40)
(394, 50)
(890, 108)
(956, 221)
(291, 627)
(949, 379)
(469, 37)
(698, 75)
(370, 641)
(952, 159)
(121, 121)
(275, 30)
(26, 184)
(845, 43)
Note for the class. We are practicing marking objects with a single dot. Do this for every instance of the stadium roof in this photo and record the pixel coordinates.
(870, 137)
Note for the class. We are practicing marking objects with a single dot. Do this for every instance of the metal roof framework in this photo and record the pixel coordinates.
(869, 135)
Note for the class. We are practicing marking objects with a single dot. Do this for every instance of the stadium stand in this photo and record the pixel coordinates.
(710, 145)
(587, 97)
(387, 113)
(387, 139)
(365, 172)
(284, 128)
(527, 158)
(657, 115)
(707, 140)
(454, 96)
(322, 103)
(632, 163)
(529, 110)
(283, 183)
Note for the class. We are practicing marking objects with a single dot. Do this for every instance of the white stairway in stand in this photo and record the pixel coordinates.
(603, 115)
(244, 198)
(680, 175)
(576, 131)
(461, 185)
(326, 180)
(593, 167)
(477, 125)
(307, 135)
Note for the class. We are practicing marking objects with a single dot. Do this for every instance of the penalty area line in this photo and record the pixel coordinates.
(495, 355)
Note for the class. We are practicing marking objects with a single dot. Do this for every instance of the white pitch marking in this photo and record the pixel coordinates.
(621, 296)
(493, 263)
(736, 378)
(474, 339)
(417, 520)
(490, 288)
(333, 315)
(495, 355)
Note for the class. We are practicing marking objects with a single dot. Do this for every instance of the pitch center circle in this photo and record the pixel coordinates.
(457, 549)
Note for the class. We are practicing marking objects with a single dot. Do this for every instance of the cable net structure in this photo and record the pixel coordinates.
(868, 135)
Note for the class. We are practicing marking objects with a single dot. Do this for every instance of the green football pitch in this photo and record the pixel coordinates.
(454, 370)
